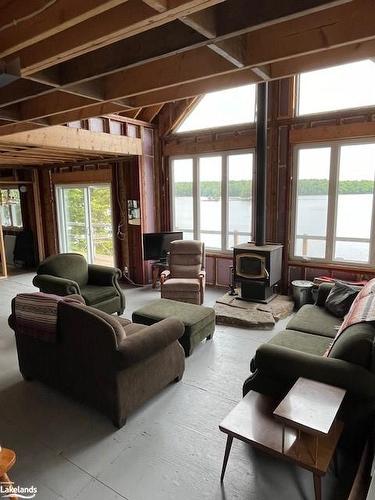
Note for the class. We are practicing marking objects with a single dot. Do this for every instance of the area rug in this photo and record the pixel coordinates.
(235, 312)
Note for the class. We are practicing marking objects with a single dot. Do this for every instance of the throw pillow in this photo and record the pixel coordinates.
(340, 298)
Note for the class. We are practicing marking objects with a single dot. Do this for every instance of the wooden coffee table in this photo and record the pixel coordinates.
(303, 428)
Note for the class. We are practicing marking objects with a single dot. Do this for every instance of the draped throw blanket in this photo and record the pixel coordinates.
(36, 314)
(361, 311)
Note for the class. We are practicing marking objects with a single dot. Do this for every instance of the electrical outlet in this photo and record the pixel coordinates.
(126, 270)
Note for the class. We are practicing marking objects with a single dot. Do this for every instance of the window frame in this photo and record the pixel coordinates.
(224, 194)
(333, 194)
(12, 227)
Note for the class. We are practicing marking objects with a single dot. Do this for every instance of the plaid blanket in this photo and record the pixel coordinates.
(36, 314)
(361, 311)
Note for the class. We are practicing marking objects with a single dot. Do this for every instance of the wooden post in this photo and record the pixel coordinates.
(4, 273)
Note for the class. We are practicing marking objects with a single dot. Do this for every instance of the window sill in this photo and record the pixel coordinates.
(320, 264)
(219, 253)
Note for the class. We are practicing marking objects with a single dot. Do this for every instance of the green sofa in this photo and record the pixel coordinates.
(298, 351)
(69, 273)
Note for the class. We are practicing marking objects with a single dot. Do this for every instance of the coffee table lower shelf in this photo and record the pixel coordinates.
(252, 421)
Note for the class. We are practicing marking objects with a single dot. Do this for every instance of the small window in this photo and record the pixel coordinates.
(222, 108)
(341, 87)
(10, 208)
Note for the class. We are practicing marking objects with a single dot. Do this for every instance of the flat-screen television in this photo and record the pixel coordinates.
(156, 245)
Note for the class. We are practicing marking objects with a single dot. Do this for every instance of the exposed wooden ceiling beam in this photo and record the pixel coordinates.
(154, 43)
(320, 31)
(44, 19)
(148, 114)
(125, 20)
(340, 55)
(65, 138)
(158, 5)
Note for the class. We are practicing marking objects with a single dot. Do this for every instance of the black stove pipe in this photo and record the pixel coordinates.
(261, 164)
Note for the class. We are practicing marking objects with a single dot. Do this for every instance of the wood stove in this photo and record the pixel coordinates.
(257, 269)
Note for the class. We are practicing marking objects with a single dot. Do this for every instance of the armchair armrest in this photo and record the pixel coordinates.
(149, 340)
(58, 286)
(285, 363)
(164, 276)
(103, 275)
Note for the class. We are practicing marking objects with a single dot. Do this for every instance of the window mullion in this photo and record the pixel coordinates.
(224, 202)
(196, 198)
(332, 202)
(372, 242)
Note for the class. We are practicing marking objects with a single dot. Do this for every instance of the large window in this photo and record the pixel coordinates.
(221, 108)
(334, 203)
(212, 198)
(340, 87)
(10, 208)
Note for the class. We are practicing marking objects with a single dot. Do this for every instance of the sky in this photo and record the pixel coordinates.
(225, 107)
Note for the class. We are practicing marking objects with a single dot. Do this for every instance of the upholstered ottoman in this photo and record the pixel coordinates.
(199, 321)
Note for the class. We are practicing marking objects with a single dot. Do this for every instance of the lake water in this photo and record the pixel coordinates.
(353, 221)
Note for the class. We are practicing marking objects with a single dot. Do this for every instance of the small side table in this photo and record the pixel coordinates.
(156, 269)
(303, 428)
(7, 460)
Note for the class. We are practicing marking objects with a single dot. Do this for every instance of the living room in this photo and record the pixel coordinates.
(187, 257)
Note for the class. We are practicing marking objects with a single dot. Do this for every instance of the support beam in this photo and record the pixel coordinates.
(148, 114)
(72, 139)
(126, 20)
(38, 20)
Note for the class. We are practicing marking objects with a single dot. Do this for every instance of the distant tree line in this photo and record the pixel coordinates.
(243, 188)
(320, 186)
(212, 189)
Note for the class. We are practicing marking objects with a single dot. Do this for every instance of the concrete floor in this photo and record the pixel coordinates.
(170, 449)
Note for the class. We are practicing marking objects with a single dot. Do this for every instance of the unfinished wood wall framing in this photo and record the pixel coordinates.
(39, 210)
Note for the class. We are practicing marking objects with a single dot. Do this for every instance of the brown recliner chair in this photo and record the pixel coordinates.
(186, 277)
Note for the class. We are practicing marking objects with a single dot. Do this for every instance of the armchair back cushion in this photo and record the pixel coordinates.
(71, 266)
(186, 258)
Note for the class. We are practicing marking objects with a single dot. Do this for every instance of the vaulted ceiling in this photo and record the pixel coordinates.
(66, 60)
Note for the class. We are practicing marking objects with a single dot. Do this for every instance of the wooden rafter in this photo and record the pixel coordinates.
(144, 53)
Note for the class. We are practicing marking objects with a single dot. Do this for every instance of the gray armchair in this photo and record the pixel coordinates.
(69, 273)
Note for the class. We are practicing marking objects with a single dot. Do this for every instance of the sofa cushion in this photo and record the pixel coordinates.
(299, 341)
(340, 298)
(94, 294)
(316, 320)
(355, 345)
